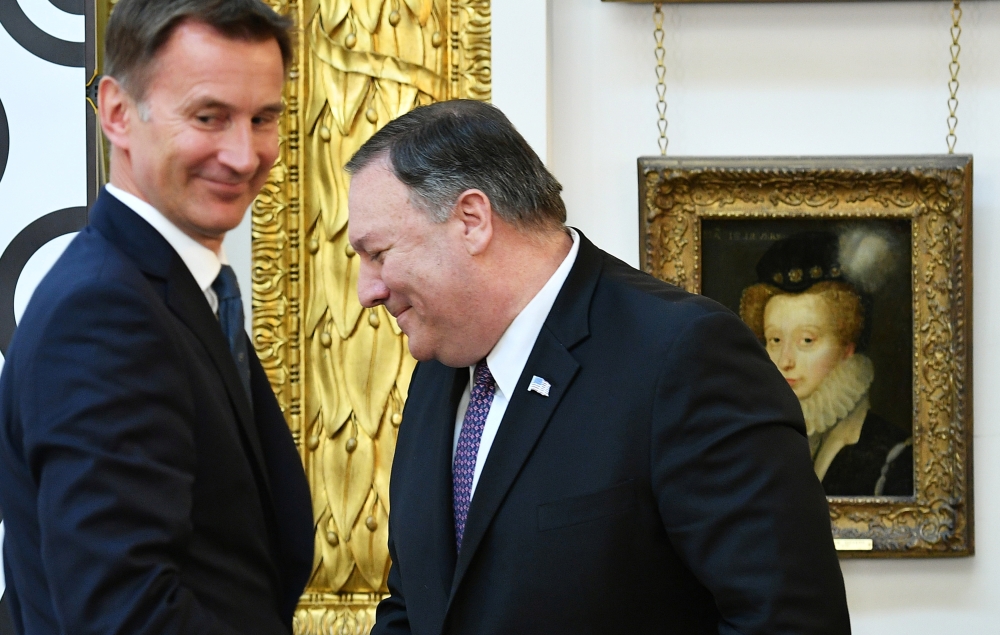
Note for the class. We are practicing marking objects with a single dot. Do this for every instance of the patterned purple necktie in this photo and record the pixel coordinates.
(464, 466)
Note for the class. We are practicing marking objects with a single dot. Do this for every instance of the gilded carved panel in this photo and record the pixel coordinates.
(340, 371)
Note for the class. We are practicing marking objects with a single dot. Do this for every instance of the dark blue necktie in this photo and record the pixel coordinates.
(231, 319)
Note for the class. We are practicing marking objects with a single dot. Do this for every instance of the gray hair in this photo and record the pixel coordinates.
(138, 29)
(444, 149)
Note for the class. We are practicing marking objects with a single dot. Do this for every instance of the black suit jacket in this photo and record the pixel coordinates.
(142, 492)
(663, 486)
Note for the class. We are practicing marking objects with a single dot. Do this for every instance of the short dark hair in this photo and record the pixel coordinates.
(444, 149)
(138, 29)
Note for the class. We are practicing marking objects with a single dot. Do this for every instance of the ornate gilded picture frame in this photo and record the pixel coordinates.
(856, 275)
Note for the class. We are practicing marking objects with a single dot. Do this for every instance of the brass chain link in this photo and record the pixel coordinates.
(661, 77)
(954, 67)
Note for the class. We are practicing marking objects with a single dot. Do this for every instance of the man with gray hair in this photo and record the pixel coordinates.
(584, 449)
(148, 480)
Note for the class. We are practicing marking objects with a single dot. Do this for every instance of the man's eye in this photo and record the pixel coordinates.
(209, 120)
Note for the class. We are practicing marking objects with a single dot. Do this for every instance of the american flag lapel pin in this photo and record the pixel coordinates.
(539, 385)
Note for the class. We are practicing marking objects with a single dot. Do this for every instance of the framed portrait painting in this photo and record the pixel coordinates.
(855, 276)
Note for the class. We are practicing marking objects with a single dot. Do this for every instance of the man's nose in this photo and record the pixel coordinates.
(371, 290)
(238, 151)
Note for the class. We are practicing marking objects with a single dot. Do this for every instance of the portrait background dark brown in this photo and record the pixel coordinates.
(731, 249)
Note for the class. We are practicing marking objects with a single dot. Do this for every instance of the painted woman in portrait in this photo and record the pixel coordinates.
(811, 309)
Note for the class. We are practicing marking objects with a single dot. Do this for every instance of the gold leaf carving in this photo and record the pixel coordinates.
(334, 12)
(341, 372)
(334, 561)
(347, 474)
(385, 444)
(339, 274)
(367, 13)
(421, 10)
(335, 614)
(371, 368)
(370, 541)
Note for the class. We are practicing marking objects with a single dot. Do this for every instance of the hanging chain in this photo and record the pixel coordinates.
(661, 77)
(955, 48)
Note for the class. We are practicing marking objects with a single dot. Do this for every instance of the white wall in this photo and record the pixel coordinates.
(786, 79)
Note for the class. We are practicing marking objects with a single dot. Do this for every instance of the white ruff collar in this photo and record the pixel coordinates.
(838, 394)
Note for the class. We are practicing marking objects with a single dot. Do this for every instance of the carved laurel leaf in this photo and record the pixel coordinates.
(320, 192)
(408, 40)
(370, 541)
(371, 363)
(340, 283)
(385, 446)
(368, 12)
(328, 380)
(421, 10)
(335, 560)
(334, 12)
(347, 473)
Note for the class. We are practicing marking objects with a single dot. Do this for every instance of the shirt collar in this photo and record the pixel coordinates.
(508, 357)
(203, 263)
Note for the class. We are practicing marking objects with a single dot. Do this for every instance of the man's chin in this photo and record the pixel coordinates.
(420, 354)
(222, 216)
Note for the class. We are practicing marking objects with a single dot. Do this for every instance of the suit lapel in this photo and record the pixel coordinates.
(528, 413)
(443, 518)
(526, 417)
(155, 257)
(186, 300)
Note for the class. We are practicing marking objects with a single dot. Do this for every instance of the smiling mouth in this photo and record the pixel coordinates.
(227, 188)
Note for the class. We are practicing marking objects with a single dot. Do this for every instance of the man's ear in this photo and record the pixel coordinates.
(114, 107)
(474, 211)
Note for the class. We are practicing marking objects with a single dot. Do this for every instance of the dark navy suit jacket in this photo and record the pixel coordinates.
(663, 486)
(142, 491)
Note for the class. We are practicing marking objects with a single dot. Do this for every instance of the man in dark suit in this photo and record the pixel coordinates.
(585, 449)
(148, 480)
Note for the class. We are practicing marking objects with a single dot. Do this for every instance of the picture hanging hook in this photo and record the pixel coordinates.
(953, 67)
(661, 75)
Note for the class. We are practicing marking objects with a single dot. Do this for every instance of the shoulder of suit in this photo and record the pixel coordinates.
(651, 296)
(92, 276)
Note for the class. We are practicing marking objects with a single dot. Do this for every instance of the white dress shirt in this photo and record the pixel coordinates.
(507, 359)
(203, 263)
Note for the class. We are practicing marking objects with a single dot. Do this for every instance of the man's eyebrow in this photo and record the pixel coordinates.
(198, 104)
(275, 109)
